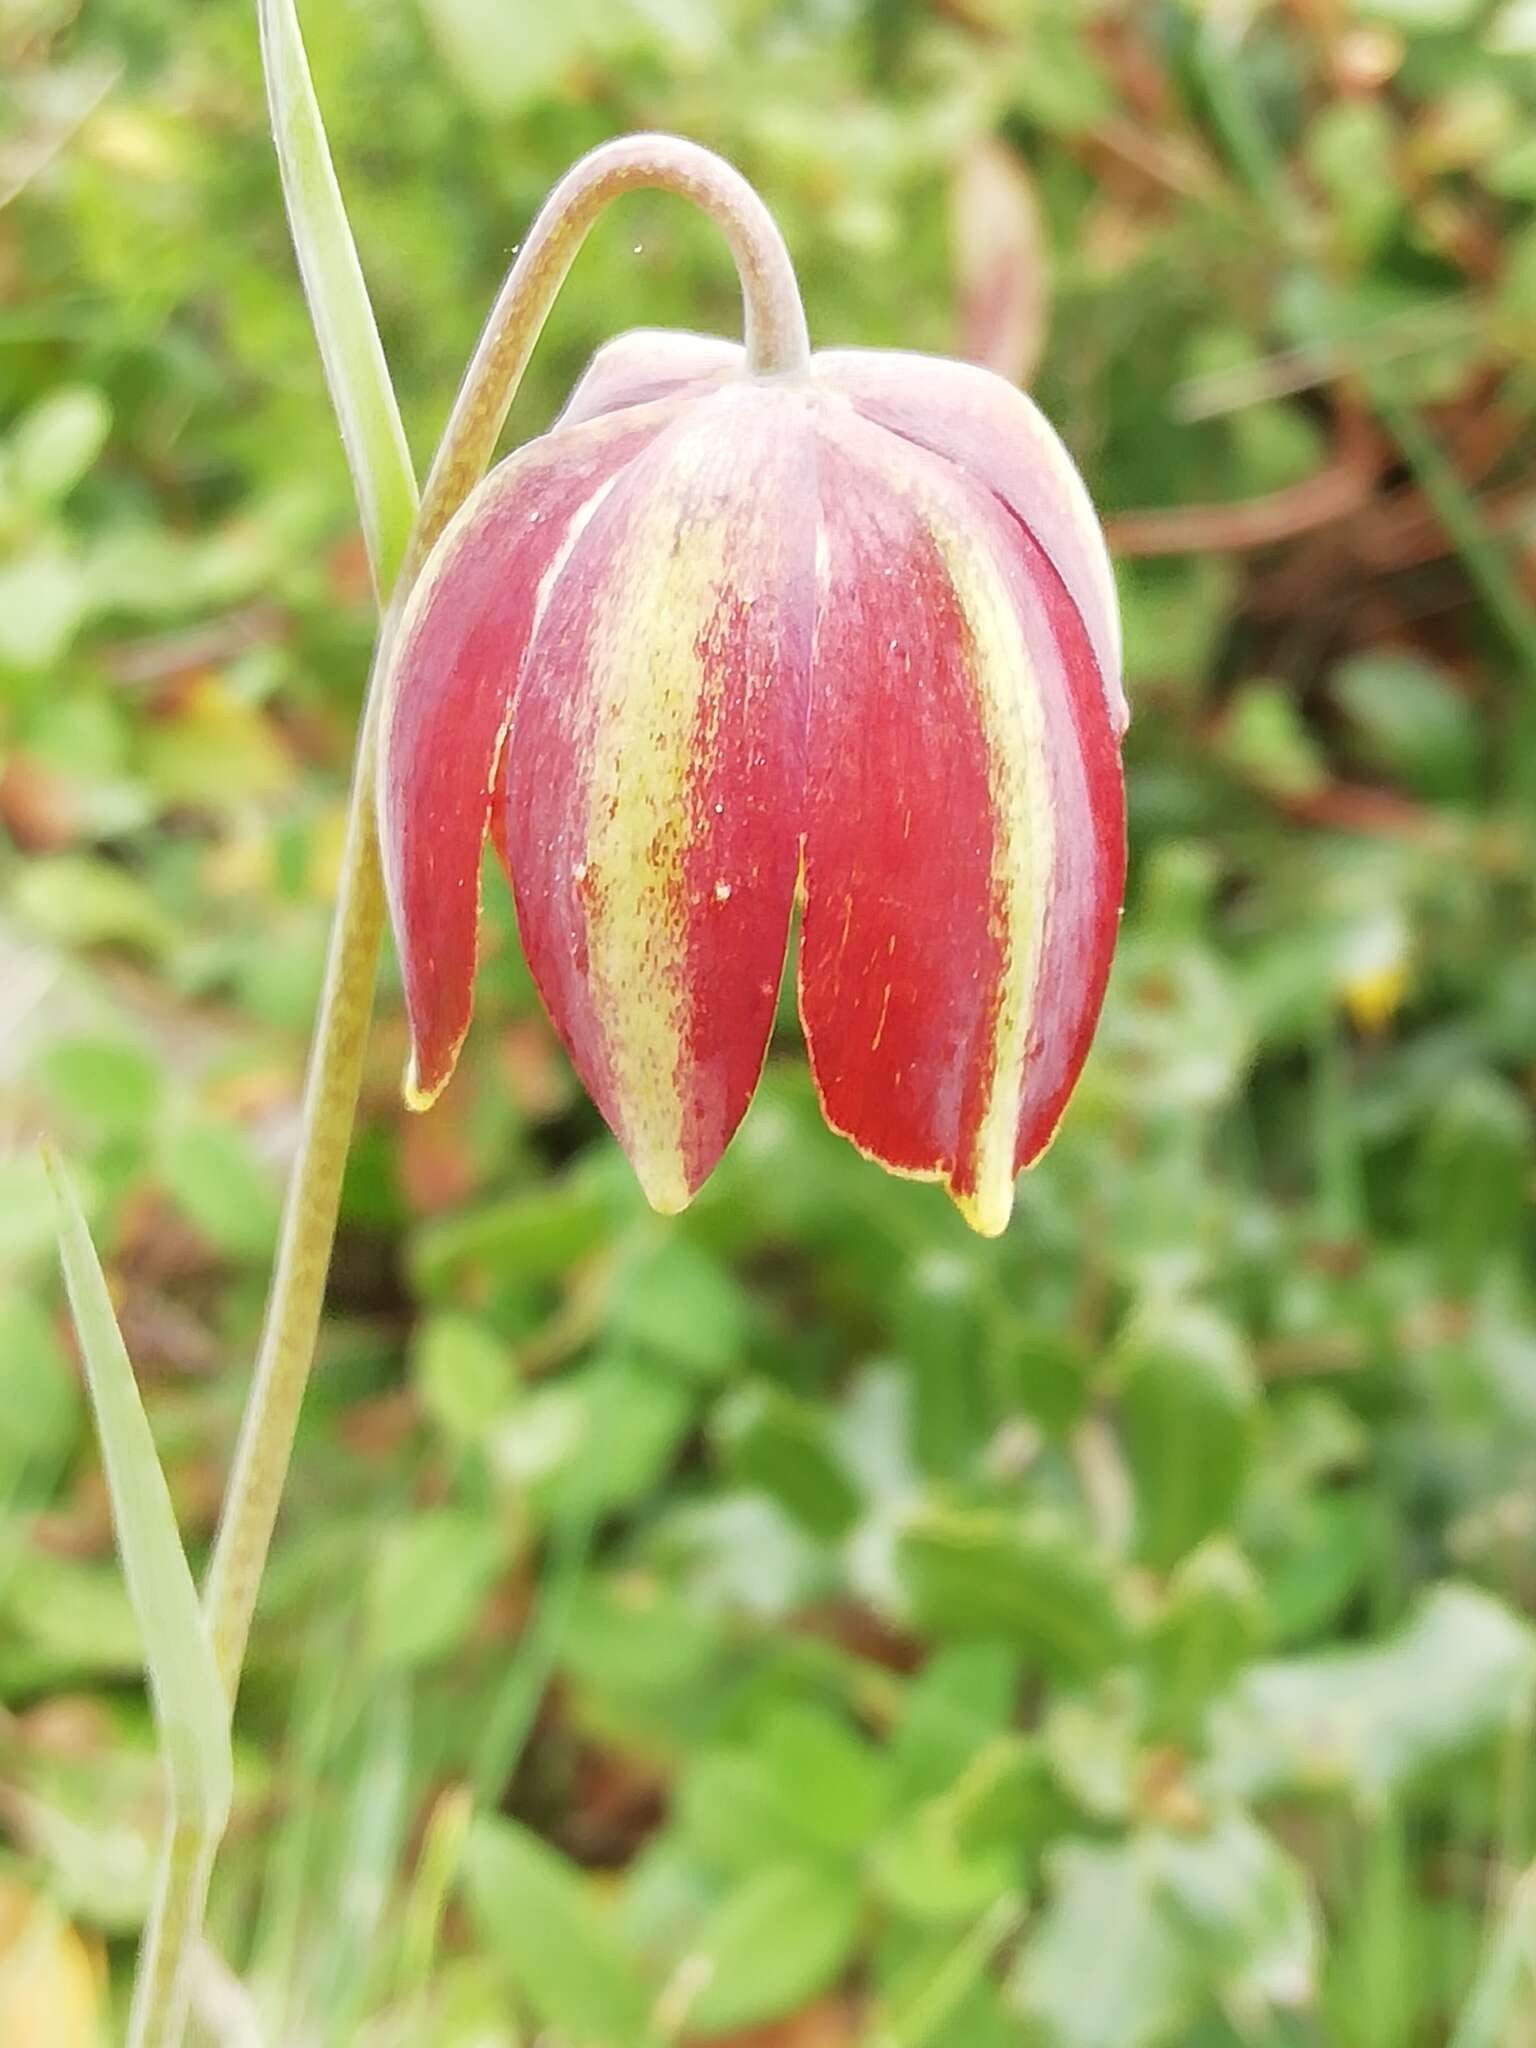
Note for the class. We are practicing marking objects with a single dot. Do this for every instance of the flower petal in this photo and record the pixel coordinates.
(993, 432)
(654, 772)
(650, 363)
(456, 658)
(964, 849)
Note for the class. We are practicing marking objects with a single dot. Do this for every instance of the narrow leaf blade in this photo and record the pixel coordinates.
(339, 307)
(190, 1706)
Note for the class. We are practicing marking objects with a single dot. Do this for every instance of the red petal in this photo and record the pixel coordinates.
(989, 429)
(651, 363)
(654, 775)
(964, 825)
(457, 655)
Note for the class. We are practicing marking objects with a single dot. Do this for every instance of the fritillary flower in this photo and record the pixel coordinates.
(735, 633)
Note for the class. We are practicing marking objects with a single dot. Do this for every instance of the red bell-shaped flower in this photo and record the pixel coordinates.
(717, 637)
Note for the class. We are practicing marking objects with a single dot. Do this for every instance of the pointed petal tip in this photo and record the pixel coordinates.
(420, 1095)
(987, 1209)
(663, 1184)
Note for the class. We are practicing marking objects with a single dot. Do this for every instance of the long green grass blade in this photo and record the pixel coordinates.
(350, 349)
(1507, 1973)
(191, 1710)
(1483, 554)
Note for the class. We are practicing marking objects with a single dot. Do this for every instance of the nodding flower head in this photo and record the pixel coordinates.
(722, 640)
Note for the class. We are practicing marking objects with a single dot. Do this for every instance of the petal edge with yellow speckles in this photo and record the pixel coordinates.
(654, 772)
(448, 692)
(964, 850)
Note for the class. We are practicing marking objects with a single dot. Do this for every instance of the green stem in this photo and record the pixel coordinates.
(309, 1228)
(162, 1986)
(776, 344)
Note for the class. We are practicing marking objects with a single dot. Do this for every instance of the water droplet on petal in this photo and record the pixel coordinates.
(722, 892)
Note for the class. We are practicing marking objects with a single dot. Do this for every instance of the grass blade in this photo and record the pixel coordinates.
(1507, 1973)
(191, 1711)
(339, 307)
(1483, 554)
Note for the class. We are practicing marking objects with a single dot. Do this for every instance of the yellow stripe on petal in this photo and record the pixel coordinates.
(452, 672)
(653, 779)
(964, 829)
(1008, 696)
(997, 436)
(648, 678)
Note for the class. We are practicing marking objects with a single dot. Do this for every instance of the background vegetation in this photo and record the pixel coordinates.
(804, 1624)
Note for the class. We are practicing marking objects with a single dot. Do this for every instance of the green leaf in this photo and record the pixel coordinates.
(191, 1709)
(838, 1780)
(924, 1873)
(111, 1085)
(1104, 1968)
(1187, 1399)
(681, 1308)
(1368, 1721)
(937, 1320)
(963, 1697)
(552, 1939)
(594, 1440)
(80, 900)
(540, 1235)
(353, 356)
(1031, 1581)
(1243, 1906)
(57, 441)
(39, 1398)
(1408, 716)
(952, 1856)
(429, 1583)
(1265, 740)
(733, 1813)
(946, 1999)
(806, 1785)
(1475, 1161)
(66, 1618)
(219, 1185)
(45, 596)
(628, 1633)
(503, 59)
(1349, 150)
(1211, 1621)
(785, 1935)
(783, 1446)
(463, 1374)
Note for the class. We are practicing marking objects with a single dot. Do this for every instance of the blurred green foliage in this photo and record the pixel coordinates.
(803, 1617)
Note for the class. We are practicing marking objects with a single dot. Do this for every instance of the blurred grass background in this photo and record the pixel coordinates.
(804, 1624)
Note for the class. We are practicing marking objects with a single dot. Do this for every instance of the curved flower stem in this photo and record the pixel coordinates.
(776, 339)
(776, 344)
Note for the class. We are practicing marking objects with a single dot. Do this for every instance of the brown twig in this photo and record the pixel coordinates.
(1344, 487)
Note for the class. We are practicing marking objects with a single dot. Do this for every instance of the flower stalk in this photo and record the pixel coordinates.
(776, 343)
